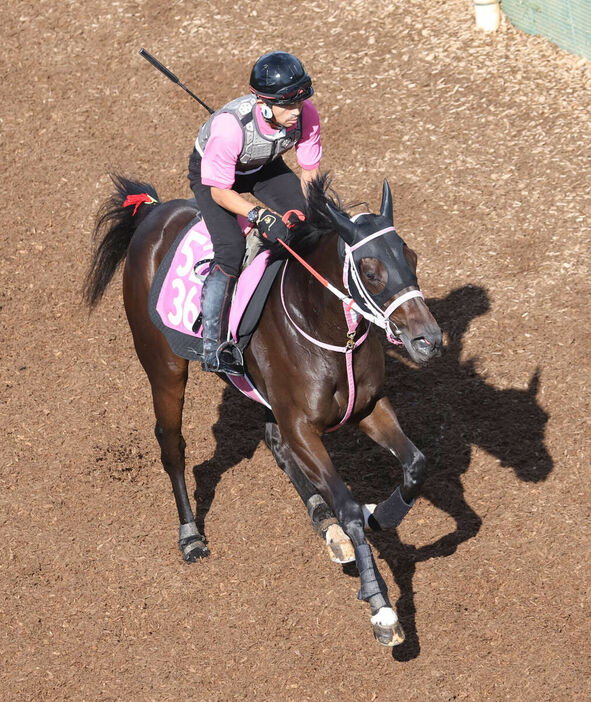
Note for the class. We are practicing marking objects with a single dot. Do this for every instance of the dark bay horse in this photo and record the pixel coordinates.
(317, 358)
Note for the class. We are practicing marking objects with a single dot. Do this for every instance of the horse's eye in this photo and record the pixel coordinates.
(374, 274)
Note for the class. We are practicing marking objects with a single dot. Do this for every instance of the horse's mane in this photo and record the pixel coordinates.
(304, 236)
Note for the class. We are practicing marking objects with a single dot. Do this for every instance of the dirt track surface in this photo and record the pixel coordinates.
(485, 141)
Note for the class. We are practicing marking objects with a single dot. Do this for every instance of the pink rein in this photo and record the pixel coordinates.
(353, 320)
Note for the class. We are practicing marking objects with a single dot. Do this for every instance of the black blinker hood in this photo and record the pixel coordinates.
(388, 249)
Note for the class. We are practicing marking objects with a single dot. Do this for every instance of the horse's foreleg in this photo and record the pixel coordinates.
(383, 427)
(320, 471)
(168, 399)
(324, 522)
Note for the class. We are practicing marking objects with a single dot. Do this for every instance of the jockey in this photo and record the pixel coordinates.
(239, 150)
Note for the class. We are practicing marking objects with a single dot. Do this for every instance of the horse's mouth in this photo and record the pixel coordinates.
(422, 349)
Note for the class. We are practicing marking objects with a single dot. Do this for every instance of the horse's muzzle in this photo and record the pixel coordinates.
(423, 348)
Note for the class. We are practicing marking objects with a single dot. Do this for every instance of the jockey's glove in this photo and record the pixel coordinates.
(270, 225)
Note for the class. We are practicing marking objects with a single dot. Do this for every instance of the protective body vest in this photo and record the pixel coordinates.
(257, 148)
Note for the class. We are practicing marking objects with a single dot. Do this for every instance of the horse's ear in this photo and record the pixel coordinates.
(344, 226)
(386, 206)
(534, 383)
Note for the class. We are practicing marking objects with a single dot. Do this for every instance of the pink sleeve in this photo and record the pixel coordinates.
(218, 165)
(309, 148)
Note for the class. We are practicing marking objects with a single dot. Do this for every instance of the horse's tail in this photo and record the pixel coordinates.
(115, 224)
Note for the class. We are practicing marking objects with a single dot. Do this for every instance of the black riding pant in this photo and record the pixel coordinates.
(275, 185)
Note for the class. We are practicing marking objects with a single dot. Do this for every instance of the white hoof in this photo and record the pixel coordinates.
(340, 548)
(386, 627)
(368, 510)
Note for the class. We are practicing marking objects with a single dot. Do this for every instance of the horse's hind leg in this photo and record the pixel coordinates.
(166, 371)
(324, 522)
(168, 394)
(168, 374)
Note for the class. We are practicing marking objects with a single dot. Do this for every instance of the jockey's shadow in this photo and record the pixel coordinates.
(239, 430)
(444, 408)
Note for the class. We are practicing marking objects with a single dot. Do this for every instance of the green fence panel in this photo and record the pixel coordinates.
(567, 23)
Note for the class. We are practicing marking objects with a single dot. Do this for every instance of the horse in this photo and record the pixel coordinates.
(316, 356)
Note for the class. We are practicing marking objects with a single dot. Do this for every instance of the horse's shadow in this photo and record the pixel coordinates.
(444, 408)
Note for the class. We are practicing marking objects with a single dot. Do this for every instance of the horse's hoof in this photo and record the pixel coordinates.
(340, 548)
(386, 627)
(193, 550)
(368, 518)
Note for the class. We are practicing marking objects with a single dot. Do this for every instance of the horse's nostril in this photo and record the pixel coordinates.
(422, 344)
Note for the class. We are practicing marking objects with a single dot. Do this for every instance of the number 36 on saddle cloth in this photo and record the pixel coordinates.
(174, 304)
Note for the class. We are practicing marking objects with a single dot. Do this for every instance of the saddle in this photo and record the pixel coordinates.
(174, 302)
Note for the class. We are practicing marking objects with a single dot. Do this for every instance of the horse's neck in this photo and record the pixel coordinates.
(326, 260)
(325, 307)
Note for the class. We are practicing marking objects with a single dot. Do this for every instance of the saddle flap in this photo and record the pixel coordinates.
(247, 284)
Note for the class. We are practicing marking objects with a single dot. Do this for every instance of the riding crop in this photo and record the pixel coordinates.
(171, 76)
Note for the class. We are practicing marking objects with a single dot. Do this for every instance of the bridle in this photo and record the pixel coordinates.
(358, 303)
(366, 305)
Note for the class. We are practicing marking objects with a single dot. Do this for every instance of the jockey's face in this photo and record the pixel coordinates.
(287, 115)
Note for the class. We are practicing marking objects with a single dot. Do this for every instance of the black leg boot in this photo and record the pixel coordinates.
(219, 356)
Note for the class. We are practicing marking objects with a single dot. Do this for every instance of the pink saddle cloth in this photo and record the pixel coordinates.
(178, 303)
(175, 297)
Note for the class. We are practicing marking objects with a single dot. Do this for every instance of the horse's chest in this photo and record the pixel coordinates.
(360, 387)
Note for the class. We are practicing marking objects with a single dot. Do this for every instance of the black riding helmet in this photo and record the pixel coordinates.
(279, 78)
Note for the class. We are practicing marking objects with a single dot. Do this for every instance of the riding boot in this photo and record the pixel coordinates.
(219, 355)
